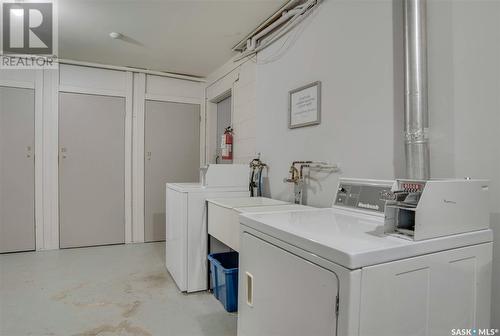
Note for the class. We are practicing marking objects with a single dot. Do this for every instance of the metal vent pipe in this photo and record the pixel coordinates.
(416, 110)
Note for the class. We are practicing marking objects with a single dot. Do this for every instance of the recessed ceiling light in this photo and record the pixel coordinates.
(115, 35)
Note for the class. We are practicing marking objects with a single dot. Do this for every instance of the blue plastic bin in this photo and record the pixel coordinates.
(224, 271)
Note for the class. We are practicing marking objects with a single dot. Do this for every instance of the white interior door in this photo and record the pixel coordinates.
(172, 147)
(91, 170)
(17, 169)
(281, 294)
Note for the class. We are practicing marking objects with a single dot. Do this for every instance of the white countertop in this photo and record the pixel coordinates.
(349, 239)
(241, 202)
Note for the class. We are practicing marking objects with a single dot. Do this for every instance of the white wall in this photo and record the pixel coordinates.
(237, 79)
(464, 101)
(355, 48)
(348, 46)
(244, 117)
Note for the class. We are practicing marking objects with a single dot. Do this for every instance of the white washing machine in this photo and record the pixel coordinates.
(186, 222)
(351, 270)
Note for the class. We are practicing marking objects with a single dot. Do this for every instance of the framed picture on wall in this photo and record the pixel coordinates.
(304, 106)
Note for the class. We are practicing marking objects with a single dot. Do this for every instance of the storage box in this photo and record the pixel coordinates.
(224, 272)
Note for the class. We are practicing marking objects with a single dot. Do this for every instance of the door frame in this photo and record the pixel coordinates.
(127, 196)
(213, 109)
(36, 86)
(163, 99)
(35, 83)
(141, 95)
(224, 90)
(128, 95)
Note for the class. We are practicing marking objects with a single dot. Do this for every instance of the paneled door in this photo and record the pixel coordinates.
(172, 148)
(17, 169)
(91, 170)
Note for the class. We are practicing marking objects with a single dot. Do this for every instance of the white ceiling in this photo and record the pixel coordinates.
(183, 36)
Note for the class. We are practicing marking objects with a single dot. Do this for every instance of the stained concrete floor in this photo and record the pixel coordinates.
(111, 290)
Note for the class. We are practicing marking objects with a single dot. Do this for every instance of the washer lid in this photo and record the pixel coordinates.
(351, 239)
(241, 202)
(197, 187)
(273, 208)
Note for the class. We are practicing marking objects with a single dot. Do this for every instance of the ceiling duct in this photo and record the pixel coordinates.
(416, 107)
(275, 26)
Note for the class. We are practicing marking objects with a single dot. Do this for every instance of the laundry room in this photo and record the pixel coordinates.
(249, 167)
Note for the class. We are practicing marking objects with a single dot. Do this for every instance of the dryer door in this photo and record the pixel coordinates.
(283, 294)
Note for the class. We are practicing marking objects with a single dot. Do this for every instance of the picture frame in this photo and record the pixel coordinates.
(304, 105)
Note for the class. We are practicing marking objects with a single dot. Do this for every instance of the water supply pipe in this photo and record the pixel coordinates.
(297, 176)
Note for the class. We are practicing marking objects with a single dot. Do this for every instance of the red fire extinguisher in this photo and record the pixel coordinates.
(227, 144)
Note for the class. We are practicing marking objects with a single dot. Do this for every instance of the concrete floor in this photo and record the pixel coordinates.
(111, 290)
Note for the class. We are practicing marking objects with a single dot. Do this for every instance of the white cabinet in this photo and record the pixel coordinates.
(428, 294)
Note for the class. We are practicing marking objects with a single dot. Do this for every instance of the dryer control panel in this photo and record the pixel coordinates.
(363, 194)
(419, 210)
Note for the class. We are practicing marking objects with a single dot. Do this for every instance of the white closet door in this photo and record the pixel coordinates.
(91, 170)
(172, 147)
(17, 169)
